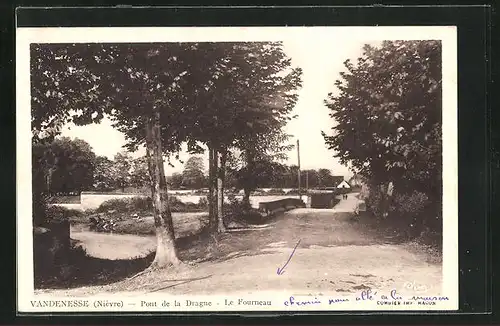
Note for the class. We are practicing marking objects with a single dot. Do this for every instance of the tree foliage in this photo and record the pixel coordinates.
(192, 175)
(245, 98)
(257, 174)
(388, 114)
(63, 165)
(246, 89)
(104, 176)
(162, 95)
(244, 106)
(133, 83)
(387, 109)
(139, 175)
(175, 180)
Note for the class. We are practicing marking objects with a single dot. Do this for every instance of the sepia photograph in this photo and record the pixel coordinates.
(237, 169)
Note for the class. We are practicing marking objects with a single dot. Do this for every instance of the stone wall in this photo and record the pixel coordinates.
(322, 200)
(281, 205)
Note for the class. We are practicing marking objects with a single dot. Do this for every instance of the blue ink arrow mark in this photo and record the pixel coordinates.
(281, 271)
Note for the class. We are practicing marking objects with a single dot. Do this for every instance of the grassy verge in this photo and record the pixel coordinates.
(391, 230)
(79, 269)
(184, 223)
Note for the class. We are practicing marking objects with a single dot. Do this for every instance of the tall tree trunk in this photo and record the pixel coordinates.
(248, 186)
(164, 192)
(212, 187)
(222, 156)
(166, 253)
(50, 173)
(211, 197)
(49, 180)
(215, 188)
(246, 196)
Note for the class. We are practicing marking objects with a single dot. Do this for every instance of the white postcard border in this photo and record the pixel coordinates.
(25, 36)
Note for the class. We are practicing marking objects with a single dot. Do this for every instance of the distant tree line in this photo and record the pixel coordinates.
(63, 165)
(67, 165)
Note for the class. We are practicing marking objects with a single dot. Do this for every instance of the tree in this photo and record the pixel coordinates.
(310, 178)
(139, 176)
(122, 172)
(136, 84)
(162, 95)
(175, 181)
(104, 175)
(248, 92)
(388, 115)
(257, 174)
(192, 176)
(324, 178)
(122, 168)
(67, 165)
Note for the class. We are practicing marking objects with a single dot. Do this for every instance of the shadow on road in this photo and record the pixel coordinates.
(80, 269)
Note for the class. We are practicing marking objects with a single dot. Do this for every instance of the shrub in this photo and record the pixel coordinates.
(203, 202)
(58, 212)
(410, 204)
(145, 205)
(64, 200)
(374, 202)
(419, 213)
(412, 214)
(259, 192)
(200, 192)
(238, 211)
(40, 208)
(355, 188)
(126, 205)
(276, 192)
(178, 206)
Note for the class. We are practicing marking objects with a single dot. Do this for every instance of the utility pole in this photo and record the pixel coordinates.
(298, 160)
(307, 180)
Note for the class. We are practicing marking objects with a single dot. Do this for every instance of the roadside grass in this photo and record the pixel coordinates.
(314, 228)
(82, 270)
(197, 245)
(389, 231)
(207, 255)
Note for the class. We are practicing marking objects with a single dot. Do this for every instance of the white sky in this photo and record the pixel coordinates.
(321, 63)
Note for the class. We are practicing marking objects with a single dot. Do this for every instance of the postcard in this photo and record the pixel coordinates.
(223, 169)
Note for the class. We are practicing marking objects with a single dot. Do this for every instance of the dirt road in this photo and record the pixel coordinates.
(334, 255)
(346, 205)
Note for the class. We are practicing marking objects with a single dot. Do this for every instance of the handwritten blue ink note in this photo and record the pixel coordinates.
(281, 270)
(292, 301)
